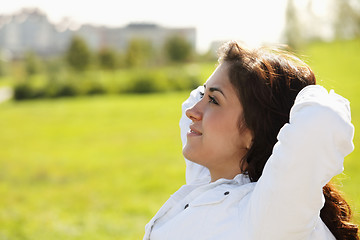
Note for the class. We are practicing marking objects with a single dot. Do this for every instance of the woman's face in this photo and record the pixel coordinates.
(214, 139)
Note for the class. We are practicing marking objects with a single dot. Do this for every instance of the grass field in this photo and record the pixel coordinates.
(337, 66)
(87, 168)
(100, 167)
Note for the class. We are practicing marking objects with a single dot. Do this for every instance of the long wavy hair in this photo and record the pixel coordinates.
(267, 82)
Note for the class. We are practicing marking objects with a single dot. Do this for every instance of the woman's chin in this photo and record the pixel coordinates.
(191, 156)
(187, 153)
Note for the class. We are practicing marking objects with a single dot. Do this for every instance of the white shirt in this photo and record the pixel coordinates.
(286, 201)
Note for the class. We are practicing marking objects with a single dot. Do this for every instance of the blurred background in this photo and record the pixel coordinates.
(90, 97)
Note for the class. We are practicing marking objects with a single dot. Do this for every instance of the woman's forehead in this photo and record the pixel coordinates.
(219, 78)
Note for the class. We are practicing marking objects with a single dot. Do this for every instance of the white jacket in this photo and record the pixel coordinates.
(285, 203)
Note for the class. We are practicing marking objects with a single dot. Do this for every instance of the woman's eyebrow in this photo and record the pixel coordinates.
(214, 89)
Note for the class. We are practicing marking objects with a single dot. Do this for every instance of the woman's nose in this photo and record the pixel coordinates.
(194, 113)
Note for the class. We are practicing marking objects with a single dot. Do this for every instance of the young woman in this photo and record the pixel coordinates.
(261, 143)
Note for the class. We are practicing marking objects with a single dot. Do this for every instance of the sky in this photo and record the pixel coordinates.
(252, 21)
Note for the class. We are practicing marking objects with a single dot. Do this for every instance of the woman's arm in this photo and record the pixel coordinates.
(195, 173)
(287, 199)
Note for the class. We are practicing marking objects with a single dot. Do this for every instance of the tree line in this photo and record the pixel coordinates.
(303, 24)
(141, 68)
(139, 53)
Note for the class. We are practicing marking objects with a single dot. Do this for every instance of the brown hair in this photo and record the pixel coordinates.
(267, 82)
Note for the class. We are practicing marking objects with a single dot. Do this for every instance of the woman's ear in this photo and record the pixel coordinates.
(250, 144)
(248, 138)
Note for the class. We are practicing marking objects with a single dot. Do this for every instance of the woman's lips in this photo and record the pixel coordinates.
(194, 132)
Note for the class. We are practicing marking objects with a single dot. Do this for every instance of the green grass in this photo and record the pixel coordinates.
(337, 66)
(100, 167)
(5, 81)
(87, 168)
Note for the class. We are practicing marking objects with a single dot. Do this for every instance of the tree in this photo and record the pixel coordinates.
(107, 58)
(178, 49)
(347, 22)
(2, 68)
(78, 54)
(32, 63)
(138, 53)
(293, 33)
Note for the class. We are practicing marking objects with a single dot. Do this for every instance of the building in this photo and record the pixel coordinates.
(30, 30)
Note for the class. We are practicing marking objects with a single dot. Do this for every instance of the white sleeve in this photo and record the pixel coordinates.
(287, 199)
(195, 173)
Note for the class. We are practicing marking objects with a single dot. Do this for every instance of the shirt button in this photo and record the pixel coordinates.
(226, 193)
(186, 206)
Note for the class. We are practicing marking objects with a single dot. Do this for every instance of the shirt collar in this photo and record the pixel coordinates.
(239, 179)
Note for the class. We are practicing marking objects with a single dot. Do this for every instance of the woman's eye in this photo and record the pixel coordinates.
(213, 100)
